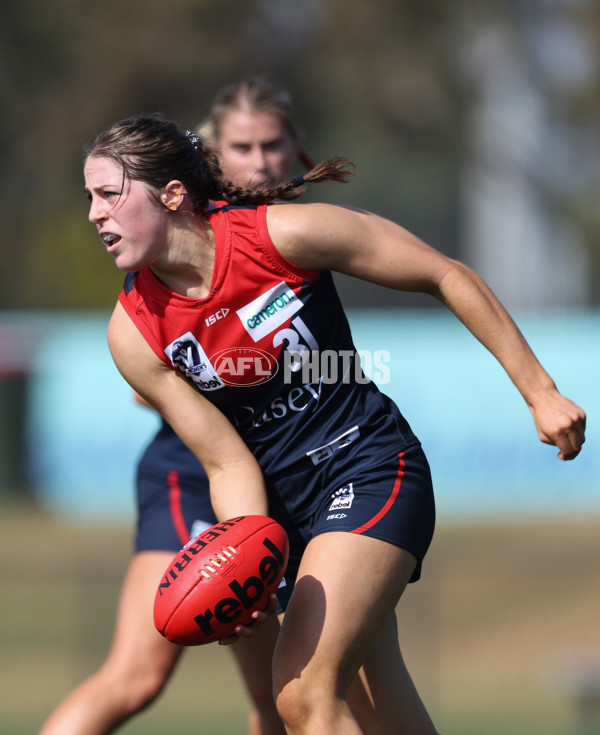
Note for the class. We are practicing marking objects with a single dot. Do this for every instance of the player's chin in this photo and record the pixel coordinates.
(127, 264)
(121, 262)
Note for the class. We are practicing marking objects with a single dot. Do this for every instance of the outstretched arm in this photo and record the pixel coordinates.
(361, 244)
(558, 420)
(236, 481)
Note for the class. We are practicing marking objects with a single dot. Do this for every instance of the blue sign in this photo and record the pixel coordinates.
(86, 432)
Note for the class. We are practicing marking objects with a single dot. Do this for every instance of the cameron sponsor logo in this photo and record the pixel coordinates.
(269, 311)
(186, 354)
(244, 366)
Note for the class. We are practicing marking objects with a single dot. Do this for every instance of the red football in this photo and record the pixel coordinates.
(219, 579)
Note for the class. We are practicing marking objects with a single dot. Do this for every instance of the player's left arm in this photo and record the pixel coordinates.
(364, 245)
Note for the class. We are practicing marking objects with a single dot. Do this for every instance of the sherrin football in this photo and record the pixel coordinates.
(219, 579)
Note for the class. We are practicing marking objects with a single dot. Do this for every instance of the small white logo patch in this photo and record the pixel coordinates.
(320, 454)
(187, 354)
(343, 497)
(269, 311)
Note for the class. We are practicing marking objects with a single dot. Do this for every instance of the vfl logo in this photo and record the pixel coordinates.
(244, 366)
(186, 354)
(343, 497)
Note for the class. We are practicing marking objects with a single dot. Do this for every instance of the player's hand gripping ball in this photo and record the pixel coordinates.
(219, 579)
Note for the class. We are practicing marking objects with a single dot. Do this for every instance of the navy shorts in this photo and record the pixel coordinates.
(173, 499)
(392, 501)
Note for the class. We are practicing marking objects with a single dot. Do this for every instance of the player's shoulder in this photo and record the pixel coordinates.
(120, 330)
(306, 234)
(300, 217)
(124, 338)
(296, 222)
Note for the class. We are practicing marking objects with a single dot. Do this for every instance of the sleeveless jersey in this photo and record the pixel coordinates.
(271, 347)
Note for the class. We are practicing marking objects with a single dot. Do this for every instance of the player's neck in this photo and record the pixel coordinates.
(188, 263)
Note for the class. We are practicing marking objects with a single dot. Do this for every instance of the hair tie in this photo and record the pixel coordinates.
(297, 181)
(193, 138)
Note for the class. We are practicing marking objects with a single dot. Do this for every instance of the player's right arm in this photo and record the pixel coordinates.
(236, 481)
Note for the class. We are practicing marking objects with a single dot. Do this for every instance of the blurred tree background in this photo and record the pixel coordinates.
(474, 124)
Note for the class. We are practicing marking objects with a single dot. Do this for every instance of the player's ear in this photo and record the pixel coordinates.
(172, 195)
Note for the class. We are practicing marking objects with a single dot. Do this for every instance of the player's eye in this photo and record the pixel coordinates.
(273, 145)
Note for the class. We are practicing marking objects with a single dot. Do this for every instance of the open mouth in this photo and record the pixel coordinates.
(109, 238)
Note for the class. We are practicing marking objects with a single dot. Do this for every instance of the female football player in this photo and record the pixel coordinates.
(334, 461)
(251, 125)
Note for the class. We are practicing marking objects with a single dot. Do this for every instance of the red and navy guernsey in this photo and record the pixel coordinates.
(271, 347)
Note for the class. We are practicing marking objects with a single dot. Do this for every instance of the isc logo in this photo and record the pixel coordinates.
(214, 318)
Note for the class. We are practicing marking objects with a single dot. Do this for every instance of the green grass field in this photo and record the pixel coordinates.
(489, 633)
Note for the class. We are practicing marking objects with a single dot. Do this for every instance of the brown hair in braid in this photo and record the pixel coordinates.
(332, 169)
(155, 151)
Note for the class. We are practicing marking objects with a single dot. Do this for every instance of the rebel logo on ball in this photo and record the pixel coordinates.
(219, 579)
(245, 594)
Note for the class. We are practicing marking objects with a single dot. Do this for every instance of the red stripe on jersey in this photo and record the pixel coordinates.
(390, 501)
(175, 506)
